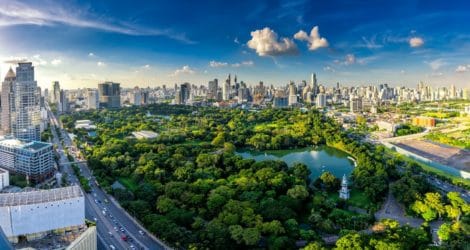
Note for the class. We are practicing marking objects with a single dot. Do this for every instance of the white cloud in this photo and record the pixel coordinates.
(215, 64)
(267, 43)
(101, 64)
(416, 42)
(184, 70)
(314, 40)
(56, 62)
(328, 68)
(91, 54)
(146, 66)
(14, 12)
(436, 64)
(370, 43)
(349, 59)
(462, 68)
(437, 74)
(244, 63)
(236, 40)
(37, 60)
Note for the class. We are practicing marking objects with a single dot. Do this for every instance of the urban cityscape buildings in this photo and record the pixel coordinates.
(109, 95)
(34, 159)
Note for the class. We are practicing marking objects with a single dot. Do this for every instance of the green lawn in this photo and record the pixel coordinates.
(356, 199)
(359, 199)
(128, 183)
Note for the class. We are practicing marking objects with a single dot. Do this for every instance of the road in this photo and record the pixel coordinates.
(111, 220)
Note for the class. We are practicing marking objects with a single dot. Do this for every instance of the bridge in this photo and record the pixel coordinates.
(75, 162)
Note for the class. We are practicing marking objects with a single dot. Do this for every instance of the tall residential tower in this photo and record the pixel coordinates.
(26, 111)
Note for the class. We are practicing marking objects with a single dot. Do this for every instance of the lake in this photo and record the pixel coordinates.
(318, 159)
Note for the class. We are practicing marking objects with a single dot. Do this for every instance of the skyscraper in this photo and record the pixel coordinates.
(7, 101)
(55, 95)
(212, 90)
(110, 95)
(226, 89)
(314, 85)
(26, 113)
(321, 100)
(92, 99)
(63, 103)
(292, 94)
(185, 91)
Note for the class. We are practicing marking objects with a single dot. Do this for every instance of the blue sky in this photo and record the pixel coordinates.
(150, 43)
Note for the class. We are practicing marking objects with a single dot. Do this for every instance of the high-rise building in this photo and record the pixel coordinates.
(185, 92)
(212, 89)
(55, 95)
(63, 103)
(110, 95)
(92, 99)
(292, 94)
(321, 100)
(136, 96)
(355, 104)
(226, 89)
(7, 102)
(314, 85)
(26, 113)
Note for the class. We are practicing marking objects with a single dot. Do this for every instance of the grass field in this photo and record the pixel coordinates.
(359, 199)
(356, 199)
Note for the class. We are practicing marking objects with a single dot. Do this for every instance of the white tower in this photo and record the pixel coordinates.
(344, 192)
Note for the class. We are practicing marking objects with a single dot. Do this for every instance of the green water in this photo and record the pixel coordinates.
(318, 159)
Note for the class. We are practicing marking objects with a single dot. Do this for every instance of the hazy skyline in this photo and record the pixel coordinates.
(81, 43)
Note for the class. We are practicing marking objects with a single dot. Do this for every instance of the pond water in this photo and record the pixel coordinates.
(318, 159)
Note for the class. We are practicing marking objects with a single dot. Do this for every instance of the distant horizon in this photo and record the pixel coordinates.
(84, 42)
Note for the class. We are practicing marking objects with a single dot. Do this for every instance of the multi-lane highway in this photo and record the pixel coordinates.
(116, 229)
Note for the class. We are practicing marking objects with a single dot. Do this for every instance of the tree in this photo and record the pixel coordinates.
(219, 139)
(298, 192)
(314, 246)
(251, 236)
(444, 232)
(330, 182)
(229, 147)
(351, 240)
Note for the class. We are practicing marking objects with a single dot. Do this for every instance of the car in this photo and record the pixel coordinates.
(122, 229)
(95, 219)
(110, 234)
(132, 247)
(141, 232)
(116, 229)
(112, 247)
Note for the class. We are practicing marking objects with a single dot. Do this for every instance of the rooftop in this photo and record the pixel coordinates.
(145, 134)
(21, 144)
(40, 196)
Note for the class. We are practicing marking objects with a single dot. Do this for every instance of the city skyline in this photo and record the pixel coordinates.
(83, 43)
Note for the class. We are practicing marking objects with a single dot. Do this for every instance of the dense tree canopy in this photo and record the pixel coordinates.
(189, 187)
